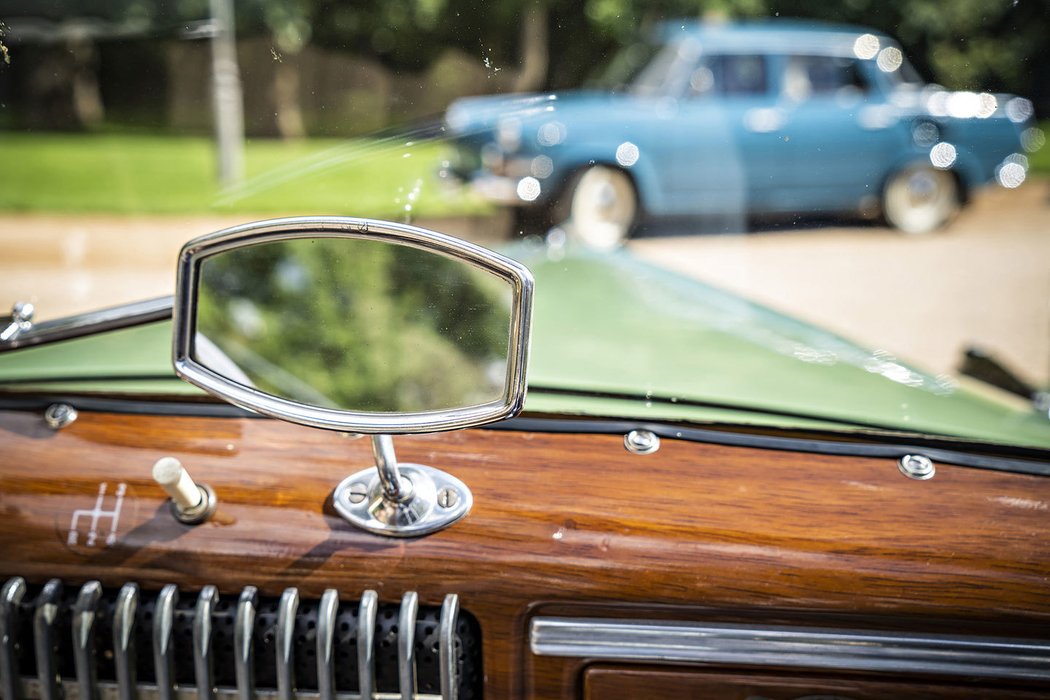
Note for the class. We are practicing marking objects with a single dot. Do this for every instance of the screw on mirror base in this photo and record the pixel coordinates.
(438, 500)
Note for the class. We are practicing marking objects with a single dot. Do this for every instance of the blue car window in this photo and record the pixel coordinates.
(738, 74)
(822, 75)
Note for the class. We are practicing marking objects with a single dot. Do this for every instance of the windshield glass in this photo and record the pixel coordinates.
(744, 221)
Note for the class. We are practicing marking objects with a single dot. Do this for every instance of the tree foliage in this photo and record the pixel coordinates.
(355, 324)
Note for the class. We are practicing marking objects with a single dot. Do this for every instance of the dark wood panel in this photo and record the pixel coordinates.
(693, 531)
(618, 683)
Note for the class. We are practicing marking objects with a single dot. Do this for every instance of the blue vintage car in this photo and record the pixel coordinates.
(739, 119)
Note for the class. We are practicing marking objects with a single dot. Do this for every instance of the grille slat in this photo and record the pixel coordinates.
(103, 644)
(164, 641)
(406, 645)
(203, 660)
(85, 615)
(124, 641)
(10, 605)
(243, 637)
(327, 614)
(447, 646)
(366, 634)
(45, 639)
(286, 644)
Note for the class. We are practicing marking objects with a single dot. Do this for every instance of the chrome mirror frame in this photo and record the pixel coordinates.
(184, 314)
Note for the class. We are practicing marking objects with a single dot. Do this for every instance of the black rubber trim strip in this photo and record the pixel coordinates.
(1022, 460)
(892, 450)
(204, 408)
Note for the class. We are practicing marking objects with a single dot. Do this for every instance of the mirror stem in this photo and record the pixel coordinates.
(395, 488)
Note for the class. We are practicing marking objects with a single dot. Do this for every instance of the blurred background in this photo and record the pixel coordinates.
(129, 126)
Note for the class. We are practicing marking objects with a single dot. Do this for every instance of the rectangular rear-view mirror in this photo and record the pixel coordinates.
(354, 324)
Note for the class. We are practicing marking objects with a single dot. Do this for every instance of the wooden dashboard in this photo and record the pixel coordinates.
(564, 526)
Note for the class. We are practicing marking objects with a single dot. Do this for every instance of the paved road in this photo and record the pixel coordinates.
(984, 280)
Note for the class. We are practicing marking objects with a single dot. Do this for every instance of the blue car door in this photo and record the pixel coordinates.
(840, 134)
(724, 160)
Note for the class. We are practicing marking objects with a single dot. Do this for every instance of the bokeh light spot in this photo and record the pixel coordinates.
(1011, 175)
(528, 189)
(866, 46)
(943, 155)
(627, 154)
(890, 59)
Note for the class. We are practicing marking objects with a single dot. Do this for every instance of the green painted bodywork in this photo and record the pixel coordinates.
(615, 337)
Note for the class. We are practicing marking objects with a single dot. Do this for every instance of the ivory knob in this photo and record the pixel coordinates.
(176, 482)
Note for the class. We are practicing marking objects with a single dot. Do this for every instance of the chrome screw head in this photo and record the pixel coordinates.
(447, 497)
(59, 415)
(641, 442)
(917, 467)
(357, 492)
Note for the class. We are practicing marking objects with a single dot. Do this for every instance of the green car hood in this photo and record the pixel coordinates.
(616, 337)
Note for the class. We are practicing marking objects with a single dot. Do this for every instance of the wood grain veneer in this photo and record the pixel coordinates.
(561, 524)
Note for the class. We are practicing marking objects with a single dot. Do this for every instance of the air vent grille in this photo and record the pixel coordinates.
(169, 642)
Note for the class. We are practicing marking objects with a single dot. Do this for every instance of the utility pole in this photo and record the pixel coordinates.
(227, 100)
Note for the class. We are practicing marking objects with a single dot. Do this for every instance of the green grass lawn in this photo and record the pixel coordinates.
(165, 174)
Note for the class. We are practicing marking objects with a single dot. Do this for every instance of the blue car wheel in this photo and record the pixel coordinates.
(599, 207)
(919, 199)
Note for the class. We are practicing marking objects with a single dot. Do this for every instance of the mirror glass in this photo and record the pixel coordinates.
(354, 324)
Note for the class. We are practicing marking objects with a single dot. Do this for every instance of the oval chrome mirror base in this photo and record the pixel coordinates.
(436, 500)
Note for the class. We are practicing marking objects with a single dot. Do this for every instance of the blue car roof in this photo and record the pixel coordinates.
(773, 35)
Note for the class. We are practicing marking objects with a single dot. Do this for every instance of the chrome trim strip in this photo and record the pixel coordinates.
(109, 691)
(511, 271)
(108, 319)
(285, 639)
(366, 634)
(85, 614)
(163, 640)
(447, 647)
(244, 642)
(327, 612)
(406, 645)
(11, 596)
(124, 639)
(45, 619)
(724, 644)
(203, 660)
